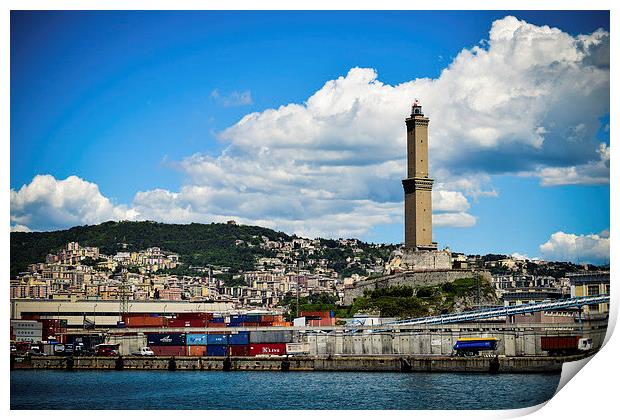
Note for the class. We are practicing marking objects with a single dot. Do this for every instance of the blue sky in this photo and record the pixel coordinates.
(147, 102)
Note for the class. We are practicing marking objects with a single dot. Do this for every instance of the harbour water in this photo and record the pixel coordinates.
(152, 390)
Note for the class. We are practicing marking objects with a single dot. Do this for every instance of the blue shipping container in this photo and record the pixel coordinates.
(241, 338)
(172, 339)
(196, 339)
(218, 320)
(217, 350)
(217, 339)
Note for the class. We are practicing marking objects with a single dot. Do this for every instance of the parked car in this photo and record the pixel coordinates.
(144, 351)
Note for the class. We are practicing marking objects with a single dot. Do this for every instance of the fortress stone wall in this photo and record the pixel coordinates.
(410, 278)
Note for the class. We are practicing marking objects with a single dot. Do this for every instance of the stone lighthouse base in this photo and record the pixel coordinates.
(410, 260)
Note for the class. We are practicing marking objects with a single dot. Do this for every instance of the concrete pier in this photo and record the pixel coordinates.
(393, 363)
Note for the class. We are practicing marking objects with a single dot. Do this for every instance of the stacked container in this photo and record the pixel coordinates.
(239, 344)
(217, 344)
(196, 344)
(53, 328)
(171, 344)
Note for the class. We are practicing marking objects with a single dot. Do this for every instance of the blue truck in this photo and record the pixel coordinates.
(472, 346)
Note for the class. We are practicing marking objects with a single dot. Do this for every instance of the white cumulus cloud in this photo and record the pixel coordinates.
(592, 172)
(47, 203)
(592, 248)
(526, 101)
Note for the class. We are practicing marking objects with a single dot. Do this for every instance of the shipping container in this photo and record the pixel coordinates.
(560, 345)
(238, 350)
(321, 322)
(216, 324)
(196, 339)
(297, 348)
(241, 338)
(169, 350)
(139, 320)
(217, 339)
(317, 314)
(249, 324)
(267, 349)
(182, 323)
(194, 315)
(197, 351)
(218, 320)
(217, 350)
(271, 337)
(170, 339)
(237, 318)
(281, 324)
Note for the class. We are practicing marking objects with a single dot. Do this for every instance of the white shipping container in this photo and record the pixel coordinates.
(26, 324)
(297, 348)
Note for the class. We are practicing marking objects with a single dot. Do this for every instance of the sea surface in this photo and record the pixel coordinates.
(212, 390)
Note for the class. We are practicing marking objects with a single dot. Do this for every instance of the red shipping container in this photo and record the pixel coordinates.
(239, 350)
(250, 324)
(169, 350)
(266, 318)
(216, 325)
(321, 322)
(559, 343)
(181, 323)
(267, 349)
(319, 314)
(265, 324)
(195, 315)
(196, 350)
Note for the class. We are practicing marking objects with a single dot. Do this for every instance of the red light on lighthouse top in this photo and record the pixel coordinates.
(416, 108)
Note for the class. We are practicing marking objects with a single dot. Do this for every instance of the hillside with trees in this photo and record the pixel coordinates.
(196, 244)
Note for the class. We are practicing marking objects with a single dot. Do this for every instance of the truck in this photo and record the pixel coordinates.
(565, 345)
(144, 351)
(106, 350)
(472, 346)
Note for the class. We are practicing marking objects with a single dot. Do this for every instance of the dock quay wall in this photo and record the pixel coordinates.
(302, 363)
(439, 340)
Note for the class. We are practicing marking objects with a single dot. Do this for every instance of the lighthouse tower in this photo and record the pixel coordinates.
(418, 186)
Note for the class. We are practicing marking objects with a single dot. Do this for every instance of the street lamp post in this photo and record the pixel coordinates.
(95, 316)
